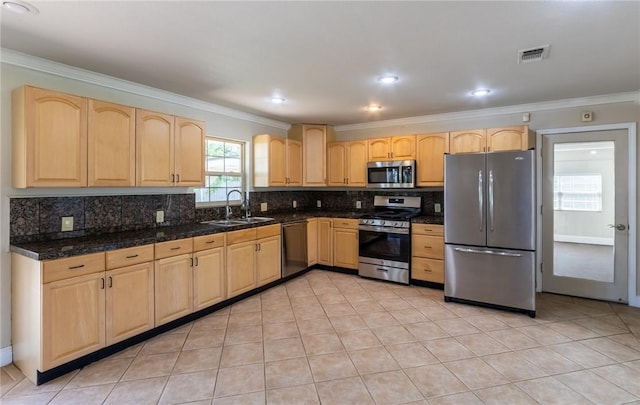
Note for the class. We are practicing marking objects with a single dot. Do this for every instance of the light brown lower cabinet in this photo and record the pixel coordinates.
(427, 253)
(173, 280)
(67, 308)
(73, 319)
(312, 241)
(345, 243)
(129, 301)
(208, 270)
(253, 258)
(325, 241)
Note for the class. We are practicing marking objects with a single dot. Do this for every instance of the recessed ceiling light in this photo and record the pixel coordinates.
(374, 108)
(19, 7)
(594, 152)
(480, 92)
(277, 100)
(387, 79)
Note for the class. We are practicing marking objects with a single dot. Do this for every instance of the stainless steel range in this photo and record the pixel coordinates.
(385, 240)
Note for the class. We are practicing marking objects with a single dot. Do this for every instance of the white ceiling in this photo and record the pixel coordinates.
(324, 57)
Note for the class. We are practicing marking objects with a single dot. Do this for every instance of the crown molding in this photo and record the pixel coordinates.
(23, 60)
(633, 97)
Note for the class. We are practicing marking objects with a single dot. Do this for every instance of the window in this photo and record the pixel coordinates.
(224, 171)
(577, 192)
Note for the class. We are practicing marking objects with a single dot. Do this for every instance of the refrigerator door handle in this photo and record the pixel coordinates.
(487, 252)
(491, 200)
(480, 201)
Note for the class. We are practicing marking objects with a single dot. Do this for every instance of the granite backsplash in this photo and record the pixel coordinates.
(39, 218)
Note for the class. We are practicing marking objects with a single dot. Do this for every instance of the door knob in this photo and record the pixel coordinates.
(620, 227)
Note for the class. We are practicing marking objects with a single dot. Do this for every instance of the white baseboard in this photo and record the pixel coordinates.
(587, 240)
(6, 356)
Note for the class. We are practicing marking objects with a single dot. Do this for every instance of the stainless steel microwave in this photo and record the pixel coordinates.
(393, 174)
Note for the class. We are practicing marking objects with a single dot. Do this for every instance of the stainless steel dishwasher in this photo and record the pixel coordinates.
(294, 247)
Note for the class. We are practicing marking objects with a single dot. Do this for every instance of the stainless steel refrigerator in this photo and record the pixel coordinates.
(489, 229)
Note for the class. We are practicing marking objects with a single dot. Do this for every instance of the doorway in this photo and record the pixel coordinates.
(585, 194)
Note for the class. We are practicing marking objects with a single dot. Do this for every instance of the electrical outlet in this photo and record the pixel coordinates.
(159, 216)
(318, 203)
(358, 204)
(295, 204)
(263, 207)
(67, 224)
(526, 117)
(437, 207)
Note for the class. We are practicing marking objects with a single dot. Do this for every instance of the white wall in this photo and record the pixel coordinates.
(13, 77)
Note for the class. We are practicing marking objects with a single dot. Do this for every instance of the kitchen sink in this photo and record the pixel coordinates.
(253, 220)
(225, 222)
(236, 222)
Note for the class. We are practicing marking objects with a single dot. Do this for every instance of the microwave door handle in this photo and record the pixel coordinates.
(480, 199)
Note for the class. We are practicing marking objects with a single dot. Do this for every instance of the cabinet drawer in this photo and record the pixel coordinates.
(345, 223)
(208, 241)
(243, 235)
(427, 229)
(427, 246)
(266, 231)
(61, 269)
(127, 257)
(174, 248)
(427, 269)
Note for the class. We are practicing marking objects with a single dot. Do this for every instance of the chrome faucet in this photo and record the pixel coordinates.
(243, 206)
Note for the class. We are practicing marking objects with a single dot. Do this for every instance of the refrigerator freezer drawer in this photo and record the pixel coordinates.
(492, 276)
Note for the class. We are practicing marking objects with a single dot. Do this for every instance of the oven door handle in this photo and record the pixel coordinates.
(380, 229)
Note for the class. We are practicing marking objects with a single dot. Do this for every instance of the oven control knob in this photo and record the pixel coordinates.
(397, 224)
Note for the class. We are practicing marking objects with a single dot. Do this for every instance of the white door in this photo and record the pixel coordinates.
(585, 214)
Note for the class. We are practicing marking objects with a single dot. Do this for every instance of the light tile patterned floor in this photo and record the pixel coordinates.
(332, 338)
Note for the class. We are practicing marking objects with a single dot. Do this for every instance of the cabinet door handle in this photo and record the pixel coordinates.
(428, 247)
(196, 262)
(131, 256)
(178, 178)
(209, 242)
(175, 248)
(110, 281)
(102, 283)
(173, 178)
(76, 267)
(259, 247)
(428, 270)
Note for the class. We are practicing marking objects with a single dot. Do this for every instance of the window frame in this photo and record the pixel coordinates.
(242, 175)
(558, 193)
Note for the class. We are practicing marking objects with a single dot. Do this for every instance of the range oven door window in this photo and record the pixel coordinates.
(385, 246)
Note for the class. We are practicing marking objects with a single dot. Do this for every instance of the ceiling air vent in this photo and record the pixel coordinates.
(533, 54)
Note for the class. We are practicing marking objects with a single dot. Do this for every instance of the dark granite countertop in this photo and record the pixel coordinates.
(427, 219)
(60, 248)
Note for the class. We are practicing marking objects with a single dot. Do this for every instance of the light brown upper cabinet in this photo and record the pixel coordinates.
(468, 141)
(347, 162)
(49, 138)
(393, 148)
(111, 145)
(277, 162)
(314, 140)
(511, 138)
(169, 150)
(189, 152)
(430, 150)
(491, 140)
